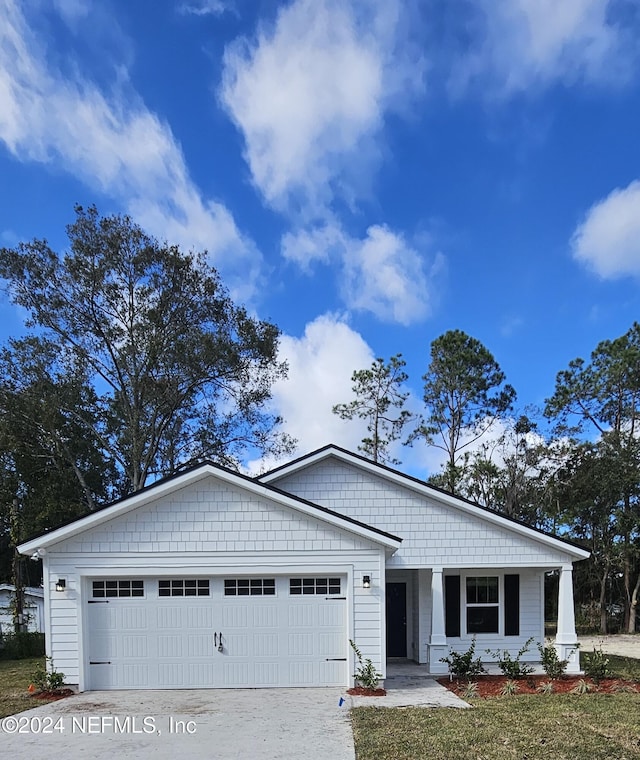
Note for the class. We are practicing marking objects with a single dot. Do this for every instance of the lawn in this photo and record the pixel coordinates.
(15, 677)
(591, 726)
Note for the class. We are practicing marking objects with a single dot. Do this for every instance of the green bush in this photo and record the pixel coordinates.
(463, 665)
(45, 678)
(513, 667)
(366, 674)
(20, 646)
(596, 665)
(552, 665)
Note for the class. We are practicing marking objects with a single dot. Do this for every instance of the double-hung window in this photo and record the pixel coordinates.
(483, 604)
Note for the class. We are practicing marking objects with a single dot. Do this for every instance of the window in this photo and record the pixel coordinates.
(483, 604)
(314, 586)
(117, 588)
(249, 586)
(189, 587)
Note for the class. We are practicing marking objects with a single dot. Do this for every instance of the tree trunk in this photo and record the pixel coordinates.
(603, 601)
(631, 628)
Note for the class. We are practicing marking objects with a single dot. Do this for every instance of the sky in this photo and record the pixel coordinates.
(366, 174)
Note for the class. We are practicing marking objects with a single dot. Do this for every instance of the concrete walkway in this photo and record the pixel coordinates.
(622, 644)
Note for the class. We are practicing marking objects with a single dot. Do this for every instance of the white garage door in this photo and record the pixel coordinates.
(217, 632)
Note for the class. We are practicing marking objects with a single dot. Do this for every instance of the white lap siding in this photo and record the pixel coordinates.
(206, 530)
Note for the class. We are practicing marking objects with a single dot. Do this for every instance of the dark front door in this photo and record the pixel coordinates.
(396, 619)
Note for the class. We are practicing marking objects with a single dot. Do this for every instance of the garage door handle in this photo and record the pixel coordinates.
(215, 639)
(335, 659)
(99, 662)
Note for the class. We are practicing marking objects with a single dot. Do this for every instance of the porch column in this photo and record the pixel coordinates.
(566, 642)
(438, 641)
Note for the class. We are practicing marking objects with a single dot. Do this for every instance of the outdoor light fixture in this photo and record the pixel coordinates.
(366, 581)
(61, 584)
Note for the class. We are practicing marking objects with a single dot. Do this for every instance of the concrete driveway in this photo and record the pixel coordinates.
(247, 724)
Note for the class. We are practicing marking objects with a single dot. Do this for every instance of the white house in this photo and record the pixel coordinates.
(213, 579)
(32, 610)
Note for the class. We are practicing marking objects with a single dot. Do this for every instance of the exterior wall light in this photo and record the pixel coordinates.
(61, 584)
(366, 581)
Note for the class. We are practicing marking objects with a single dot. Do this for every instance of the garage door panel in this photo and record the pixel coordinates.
(270, 638)
(265, 644)
(265, 616)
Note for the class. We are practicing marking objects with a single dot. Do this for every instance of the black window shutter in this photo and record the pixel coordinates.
(511, 605)
(452, 605)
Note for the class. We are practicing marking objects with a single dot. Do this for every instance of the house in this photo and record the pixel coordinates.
(32, 611)
(210, 578)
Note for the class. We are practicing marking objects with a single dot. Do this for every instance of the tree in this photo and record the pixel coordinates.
(591, 491)
(511, 473)
(178, 372)
(378, 396)
(602, 397)
(464, 392)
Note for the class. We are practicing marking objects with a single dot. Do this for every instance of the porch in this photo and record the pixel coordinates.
(430, 611)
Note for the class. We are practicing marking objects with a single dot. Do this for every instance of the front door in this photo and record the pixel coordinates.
(396, 619)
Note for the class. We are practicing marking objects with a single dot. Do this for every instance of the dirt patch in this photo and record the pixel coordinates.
(495, 686)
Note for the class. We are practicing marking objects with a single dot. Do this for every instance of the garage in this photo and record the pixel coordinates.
(225, 631)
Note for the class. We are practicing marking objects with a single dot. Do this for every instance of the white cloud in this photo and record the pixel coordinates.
(321, 363)
(382, 274)
(608, 240)
(114, 144)
(311, 93)
(386, 276)
(205, 7)
(524, 43)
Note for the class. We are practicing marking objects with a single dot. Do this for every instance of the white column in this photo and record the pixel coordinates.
(438, 641)
(437, 608)
(566, 642)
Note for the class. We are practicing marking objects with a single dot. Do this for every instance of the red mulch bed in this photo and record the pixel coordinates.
(57, 694)
(491, 686)
(361, 691)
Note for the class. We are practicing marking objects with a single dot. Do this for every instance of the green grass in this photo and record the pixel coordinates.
(15, 677)
(536, 727)
(562, 727)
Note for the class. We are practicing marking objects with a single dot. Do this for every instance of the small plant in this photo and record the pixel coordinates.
(552, 665)
(582, 687)
(366, 674)
(469, 690)
(513, 667)
(596, 665)
(546, 687)
(45, 678)
(464, 665)
(509, 689)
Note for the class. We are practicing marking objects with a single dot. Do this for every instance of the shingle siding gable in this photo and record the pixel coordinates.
(433, 533)
(211, 517)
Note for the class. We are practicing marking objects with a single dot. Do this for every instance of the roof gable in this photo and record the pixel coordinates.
(286, 474)
(172, 485)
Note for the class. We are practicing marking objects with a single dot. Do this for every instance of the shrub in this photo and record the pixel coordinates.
(596, 665)
(546, 688)
(45, 678)
(552, 665)
(20, 646)
(582, 687)
(366, 674)
(470, 691)
(513, 667)
(509, 689)
(463, 665)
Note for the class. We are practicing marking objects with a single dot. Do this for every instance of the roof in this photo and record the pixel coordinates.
(27, 590)
(190, 476)
(429, 491)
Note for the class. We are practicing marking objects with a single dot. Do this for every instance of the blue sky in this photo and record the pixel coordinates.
(365, 174)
